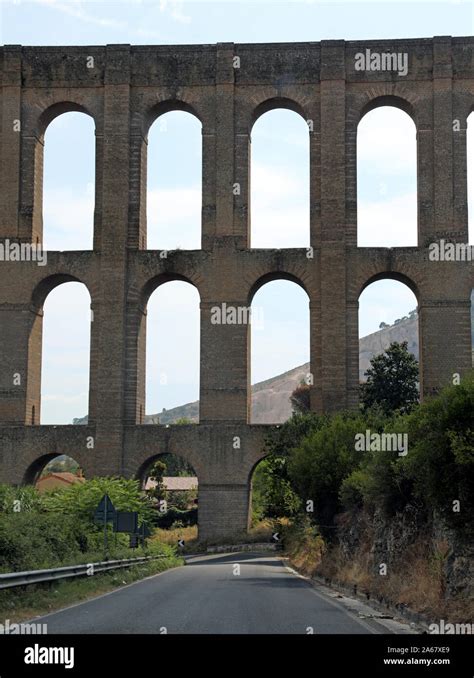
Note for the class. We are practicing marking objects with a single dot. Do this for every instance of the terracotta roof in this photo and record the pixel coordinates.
(61, 477)
(175, 483)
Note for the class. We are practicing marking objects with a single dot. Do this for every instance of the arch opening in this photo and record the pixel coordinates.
(53, 471)
(272, 499)
(279, 180)
(69, 179)
(173, 367)
(386, 178)
(66, 315)
(172, 485)
(174, 184)
(388, 313)
(279, 349)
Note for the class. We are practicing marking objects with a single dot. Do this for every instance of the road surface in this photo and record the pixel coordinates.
(209, 595)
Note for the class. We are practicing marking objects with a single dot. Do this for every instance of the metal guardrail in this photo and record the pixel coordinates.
(13, 579)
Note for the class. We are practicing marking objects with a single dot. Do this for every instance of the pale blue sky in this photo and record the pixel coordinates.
(386, 189)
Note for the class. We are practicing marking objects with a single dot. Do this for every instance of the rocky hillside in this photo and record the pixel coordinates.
(271, 398)
(270, 401)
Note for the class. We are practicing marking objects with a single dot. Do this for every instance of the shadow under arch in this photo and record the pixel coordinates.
(57, 109)
(391, 100)
(392, 275)
(37, 466)
(145, 466)
(48, 284)
(152, 285)
(275, 103)
(168, 106)
(271, 277)
(263, 455)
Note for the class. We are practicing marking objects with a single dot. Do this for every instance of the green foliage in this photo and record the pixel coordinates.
(283, 439)
(19, 499)
(438, 469)
(324, 458)
(392, 380)
(82, 499)
(173, 515)
(300, 398)
(174, 465)
(30, 540)
(156, 473)
(57, 528)
(272, 494)
(440, 462)
(181, 499)
(354, 489)
(315, 459)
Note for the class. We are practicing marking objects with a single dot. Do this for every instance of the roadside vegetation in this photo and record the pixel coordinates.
(342, 501)
(54, 529)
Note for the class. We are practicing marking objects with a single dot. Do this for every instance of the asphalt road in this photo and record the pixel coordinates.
(208, 596)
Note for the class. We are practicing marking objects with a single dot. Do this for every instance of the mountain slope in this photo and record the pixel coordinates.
(270, 398)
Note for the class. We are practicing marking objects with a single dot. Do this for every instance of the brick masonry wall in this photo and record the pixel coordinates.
(125, 91)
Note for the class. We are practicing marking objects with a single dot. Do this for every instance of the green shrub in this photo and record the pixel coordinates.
(318, 466)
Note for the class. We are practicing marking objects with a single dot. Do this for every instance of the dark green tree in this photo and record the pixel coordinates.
(272, 494)
(300, 398)
(156, 473)
(392, 380)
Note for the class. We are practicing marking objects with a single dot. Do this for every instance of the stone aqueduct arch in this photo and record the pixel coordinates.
(125, 91)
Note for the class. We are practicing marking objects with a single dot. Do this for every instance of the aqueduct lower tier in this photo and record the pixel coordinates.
(227, 86)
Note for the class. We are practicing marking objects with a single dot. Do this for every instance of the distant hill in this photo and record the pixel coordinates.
(271, 398)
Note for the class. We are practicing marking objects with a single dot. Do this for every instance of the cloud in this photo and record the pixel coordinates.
(174, 218)
(391, 223)
(68, 219)
(175, 10)
(280, 208)
(386, 143)
(74, 8)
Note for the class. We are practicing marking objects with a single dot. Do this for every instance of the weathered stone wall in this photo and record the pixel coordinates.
(125, 91)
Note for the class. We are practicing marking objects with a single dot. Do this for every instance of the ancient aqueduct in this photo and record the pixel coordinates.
(125, 91)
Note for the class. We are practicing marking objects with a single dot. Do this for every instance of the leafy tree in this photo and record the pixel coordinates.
(181, 499)
(176, 466)
(82, 499)
(300, 398)
(282, 439)
(440, 461)
(320, 463)
(19, 499)
(156, 473)
(392, 380)
(272, 491)
(272, 494)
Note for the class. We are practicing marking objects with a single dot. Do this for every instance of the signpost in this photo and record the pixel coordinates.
(144, 532)
(105, 513)
(126, 521)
